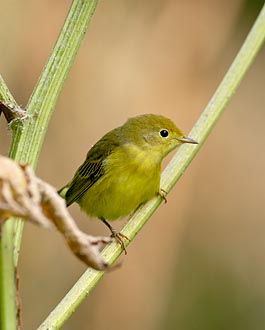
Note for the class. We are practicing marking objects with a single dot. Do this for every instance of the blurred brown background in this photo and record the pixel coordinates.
(199, 262)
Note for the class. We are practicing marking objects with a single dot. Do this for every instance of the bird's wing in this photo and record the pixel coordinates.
(90, 171)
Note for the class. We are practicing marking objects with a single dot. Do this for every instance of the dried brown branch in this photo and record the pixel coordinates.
(24, 195)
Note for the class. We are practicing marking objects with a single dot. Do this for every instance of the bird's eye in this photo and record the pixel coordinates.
(163, 133)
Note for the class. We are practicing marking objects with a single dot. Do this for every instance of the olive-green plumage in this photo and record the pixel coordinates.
(122, 170)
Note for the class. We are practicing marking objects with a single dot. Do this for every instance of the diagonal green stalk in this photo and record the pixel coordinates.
(171, 174)
(5, 94)
(28, 136)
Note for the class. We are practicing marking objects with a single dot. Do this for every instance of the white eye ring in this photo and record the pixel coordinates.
(164, 133)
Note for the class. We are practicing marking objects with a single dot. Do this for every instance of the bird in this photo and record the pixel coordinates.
(122, 170)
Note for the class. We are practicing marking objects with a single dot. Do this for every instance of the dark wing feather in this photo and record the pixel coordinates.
(92, 168)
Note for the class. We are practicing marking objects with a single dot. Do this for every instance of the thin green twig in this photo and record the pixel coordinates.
(7, 298)
(171, 174)
(28, 136)
(5, 94)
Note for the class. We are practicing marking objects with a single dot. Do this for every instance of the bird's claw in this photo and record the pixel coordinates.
(162, 193)
(119, 238)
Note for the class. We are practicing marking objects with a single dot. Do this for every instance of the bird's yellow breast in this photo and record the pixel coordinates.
(132, 177)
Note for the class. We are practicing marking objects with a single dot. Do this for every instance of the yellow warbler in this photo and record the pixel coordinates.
(122, 170)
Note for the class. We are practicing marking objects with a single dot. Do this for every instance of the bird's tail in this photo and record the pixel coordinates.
(62, 192)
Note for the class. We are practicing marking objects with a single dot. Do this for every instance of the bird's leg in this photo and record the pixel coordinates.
(162, 193)
(119, 237)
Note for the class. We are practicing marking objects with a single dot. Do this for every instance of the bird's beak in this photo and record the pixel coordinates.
(186, 139)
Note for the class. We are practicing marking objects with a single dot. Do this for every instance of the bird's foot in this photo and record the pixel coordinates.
(119, 238)
(162, 193)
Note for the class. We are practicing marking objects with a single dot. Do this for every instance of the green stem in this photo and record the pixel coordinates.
(171, 174)
(5, 94)
(7, 271)
(28, 136)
